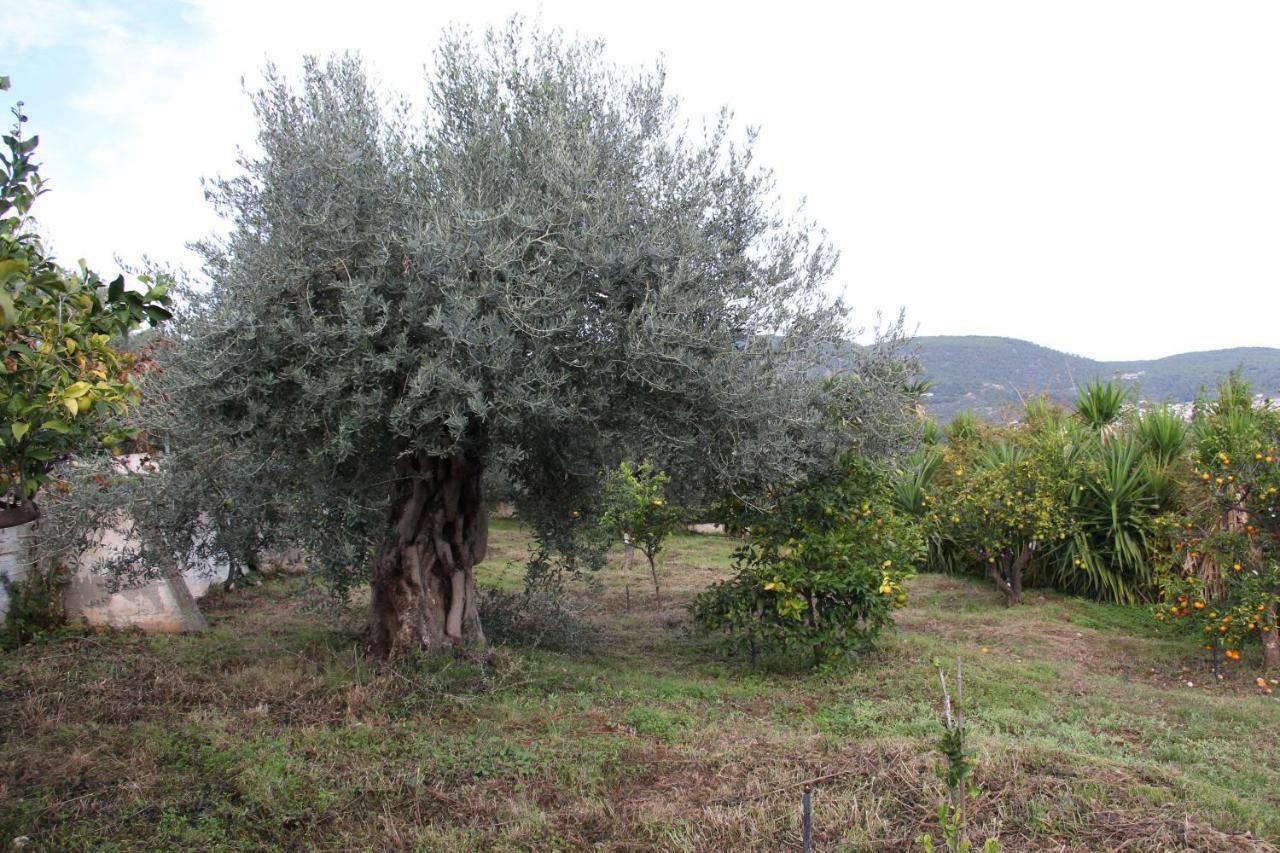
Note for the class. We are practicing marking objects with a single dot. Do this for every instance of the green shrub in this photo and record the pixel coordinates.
(1074, 502)
(538, 617)
(63, 383)
(35, 607)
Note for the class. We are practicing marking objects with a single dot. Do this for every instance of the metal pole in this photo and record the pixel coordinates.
(806, 820)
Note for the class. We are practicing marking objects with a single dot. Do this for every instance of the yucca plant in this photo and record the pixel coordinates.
(1237, 424)
(1162, 434)
(1042, 412)
(931, 434)
(964, 427)
(911, 488)
(1001, 453)
(917, 388)
(911, 497)
(1109, 554)
(1164, 482)
(1099, 405)
(1234, 395)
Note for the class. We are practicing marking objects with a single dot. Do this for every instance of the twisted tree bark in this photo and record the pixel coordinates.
(424, 592)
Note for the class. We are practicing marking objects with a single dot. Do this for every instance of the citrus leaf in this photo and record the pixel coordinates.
(12, 268)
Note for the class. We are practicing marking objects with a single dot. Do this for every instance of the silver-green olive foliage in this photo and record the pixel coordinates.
(539, 270)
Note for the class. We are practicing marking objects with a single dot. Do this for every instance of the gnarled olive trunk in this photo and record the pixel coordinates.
(424, 591)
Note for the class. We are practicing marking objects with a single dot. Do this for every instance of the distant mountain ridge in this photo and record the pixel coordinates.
(991, 376)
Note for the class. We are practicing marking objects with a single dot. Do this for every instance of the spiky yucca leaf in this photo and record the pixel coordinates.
(964, 427)
(911, 488)
(1162, 434)
(1001, 453)
(1042, 412)
(1100, 404)
(1109, 557)
(931, 434)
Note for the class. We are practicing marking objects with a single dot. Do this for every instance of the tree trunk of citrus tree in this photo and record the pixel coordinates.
(424, 592)
(653, 570)
(1007, 572)
(1271, 641)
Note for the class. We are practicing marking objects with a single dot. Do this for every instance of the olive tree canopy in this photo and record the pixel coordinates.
(540, 270)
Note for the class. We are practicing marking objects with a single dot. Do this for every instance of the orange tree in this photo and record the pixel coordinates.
(1227, 580)
(821, 571)
(62, 383)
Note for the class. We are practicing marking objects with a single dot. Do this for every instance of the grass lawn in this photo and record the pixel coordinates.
(1096, 728)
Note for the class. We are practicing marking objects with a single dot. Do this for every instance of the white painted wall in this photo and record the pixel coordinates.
(15, 558)
(166, 604)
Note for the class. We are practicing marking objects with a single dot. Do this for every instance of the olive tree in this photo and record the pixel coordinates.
(539, 271)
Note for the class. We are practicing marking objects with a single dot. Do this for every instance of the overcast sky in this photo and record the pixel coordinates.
(1099, 177)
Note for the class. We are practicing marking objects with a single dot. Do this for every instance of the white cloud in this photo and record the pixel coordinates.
(53, 23)
(1090, 176)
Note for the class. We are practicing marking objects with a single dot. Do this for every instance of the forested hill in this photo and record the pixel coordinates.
(991, 375)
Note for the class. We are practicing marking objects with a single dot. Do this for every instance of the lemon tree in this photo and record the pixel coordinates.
(62, 383)
(635, 509)
(1001, 506)
(820, 572)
